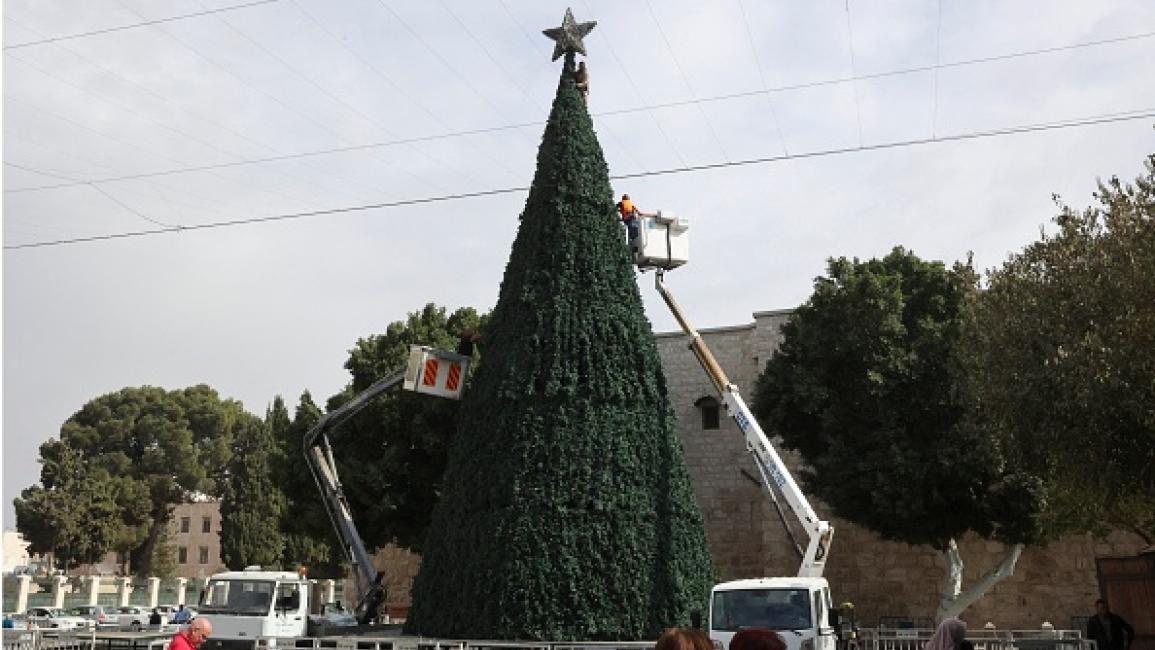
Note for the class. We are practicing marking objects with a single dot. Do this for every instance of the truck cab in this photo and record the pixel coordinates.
(798, 608)
(252, 604)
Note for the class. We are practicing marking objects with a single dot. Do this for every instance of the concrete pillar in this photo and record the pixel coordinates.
(153, 592)
(93, 589)
(330, 591)
(123, 591)
(181, 585)
(23, 586)
(58, 583)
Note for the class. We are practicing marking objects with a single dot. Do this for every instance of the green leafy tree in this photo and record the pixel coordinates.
(397, 444)
(253, 505)
(163, 562)
(146, 449)
(278, 420)
(1063, 360)
(566, 507)
(305, 526)
(73, 514)
(866, 386)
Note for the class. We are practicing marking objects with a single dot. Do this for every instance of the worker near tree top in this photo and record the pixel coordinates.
(582, 77)
(466, 341)
(630, 215)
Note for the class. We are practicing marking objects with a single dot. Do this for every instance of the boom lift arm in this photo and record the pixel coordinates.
(428, 371)
(770, 465)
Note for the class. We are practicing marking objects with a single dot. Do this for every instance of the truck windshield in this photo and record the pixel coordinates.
(778, 609)
(243, 597)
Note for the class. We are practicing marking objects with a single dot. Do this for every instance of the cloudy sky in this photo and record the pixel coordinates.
(827, 128)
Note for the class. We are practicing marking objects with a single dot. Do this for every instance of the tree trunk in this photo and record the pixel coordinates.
(159, 521)
(954, 599)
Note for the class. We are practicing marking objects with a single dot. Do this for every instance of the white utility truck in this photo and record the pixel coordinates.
(251, 604)
(799, 607)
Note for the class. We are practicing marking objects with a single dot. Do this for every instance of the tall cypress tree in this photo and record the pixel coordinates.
(305, 525)
(567, 511)
(252, 504)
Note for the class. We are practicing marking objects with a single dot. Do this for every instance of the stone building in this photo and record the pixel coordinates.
(747, 539)
(195, 534)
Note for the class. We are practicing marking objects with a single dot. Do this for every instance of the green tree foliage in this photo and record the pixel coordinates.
(305, 526)
(163, 563)
(1063, 356)
(73, 513)
(392, 455)
(866, 386)
(146, 449)
(253, 505)
(567, 510)
(278, 420)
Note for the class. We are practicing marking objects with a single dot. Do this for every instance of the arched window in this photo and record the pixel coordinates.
(710, 410)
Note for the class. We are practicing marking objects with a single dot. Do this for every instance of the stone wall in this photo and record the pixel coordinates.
(881, 578)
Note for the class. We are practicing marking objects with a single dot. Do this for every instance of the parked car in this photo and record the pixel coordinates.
(166, 612)
(133, 617)
(97, 615)
(55, 618)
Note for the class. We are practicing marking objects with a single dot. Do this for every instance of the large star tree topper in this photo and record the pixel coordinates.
(568, 37)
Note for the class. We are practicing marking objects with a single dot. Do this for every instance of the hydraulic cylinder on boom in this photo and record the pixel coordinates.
(770, 465)
(801, 605)
(661, 242)
(431, 371)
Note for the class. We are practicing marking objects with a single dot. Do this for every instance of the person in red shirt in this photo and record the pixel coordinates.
(190, 638)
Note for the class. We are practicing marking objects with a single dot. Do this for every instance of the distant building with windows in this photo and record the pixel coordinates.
(194, 534)
(195, 537)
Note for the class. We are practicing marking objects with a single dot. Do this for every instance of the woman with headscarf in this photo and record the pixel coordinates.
(950, 635)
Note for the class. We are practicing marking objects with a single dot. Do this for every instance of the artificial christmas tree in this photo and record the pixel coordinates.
(567, 511)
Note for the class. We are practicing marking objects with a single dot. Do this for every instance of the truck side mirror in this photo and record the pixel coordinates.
(696, 619)
(835, 617)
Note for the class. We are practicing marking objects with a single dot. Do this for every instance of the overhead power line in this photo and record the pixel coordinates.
(686, 80)
(886, 73)
(1147, 113)
(146, 23)
(621, 111)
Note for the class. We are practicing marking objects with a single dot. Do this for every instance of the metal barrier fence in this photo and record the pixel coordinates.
(868, 639)
(77, 592)
(420, 643)
(916, 638)
(14, 639)
(905, 622)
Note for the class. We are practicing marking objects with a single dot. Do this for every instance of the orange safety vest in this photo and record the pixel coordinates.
(626, 207)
